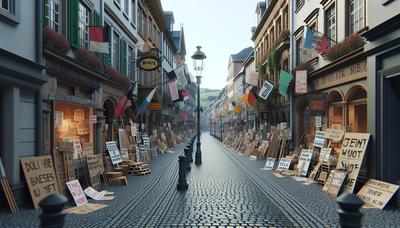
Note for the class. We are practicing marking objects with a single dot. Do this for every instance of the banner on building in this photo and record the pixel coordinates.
(301, 82)
(265, 90)
(173, 89)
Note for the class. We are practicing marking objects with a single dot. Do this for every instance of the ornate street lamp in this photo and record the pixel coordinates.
(198, 64)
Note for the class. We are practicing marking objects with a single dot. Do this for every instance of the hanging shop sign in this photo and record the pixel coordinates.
(40, 177)
(376, 194)
(351, 156)
(301, 82)
(265, 90)
(150, 60)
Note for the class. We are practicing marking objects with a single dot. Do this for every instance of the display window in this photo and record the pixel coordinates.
(71, 123)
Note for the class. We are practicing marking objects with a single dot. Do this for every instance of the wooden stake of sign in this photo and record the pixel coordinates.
(7, 189)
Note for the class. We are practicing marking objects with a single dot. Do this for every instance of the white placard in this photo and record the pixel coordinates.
(284, 164)
(265, 90)
(318, 121)
(92, 193)
(269, 165)
(77, 192)
(319, 140)
(113, 152)
(304, 161)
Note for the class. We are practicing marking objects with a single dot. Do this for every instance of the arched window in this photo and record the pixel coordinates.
(356, 109)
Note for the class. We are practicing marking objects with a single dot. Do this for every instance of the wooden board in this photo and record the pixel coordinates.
(337, 182)
(40, 177)
(93, 162)
(376, 194)
(69, 166)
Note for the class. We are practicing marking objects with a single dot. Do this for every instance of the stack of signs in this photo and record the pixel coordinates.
(304, 161)
(269, 165)
(351, 156)
(319, 140)
(77, 192)
(40, 177)
(284, 164)
(337, 181)
(376, 194)
(113, 152)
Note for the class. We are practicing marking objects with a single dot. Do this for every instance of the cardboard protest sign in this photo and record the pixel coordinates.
(319, 140)
(304, 161)
(113, 152)
(269, 165)
(351, 156)
(87, 148)
(337, 181)
(93, 163)
(328, 181)
(285, 133)
(40, 177)
(92, 193)
(325, 154)
(334, 134)
(284, 164)
(376, 194)
(85, 209)
(77, 192)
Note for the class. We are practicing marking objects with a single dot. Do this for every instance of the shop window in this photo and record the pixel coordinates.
(53, 14)
(72, 124)
(335, 110)
(357, 110)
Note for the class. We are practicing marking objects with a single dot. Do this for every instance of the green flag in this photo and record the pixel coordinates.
(284, 80)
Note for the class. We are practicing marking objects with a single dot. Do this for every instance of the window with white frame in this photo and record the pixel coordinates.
(115, 50)
(356, 15)
(83, 23)
(330, 24)
(140, 26)
(133, 11)
(125, 7)
(8, 5)
(53, 13)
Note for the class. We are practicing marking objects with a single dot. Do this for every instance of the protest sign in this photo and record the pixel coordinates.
(318, 121)
(284, 164)
(113, 152)
(334, 134)
(94, 162)
(77, 147)
(328, 181)
(351, 156)
(92, 193)
(77, 192)
(304, 161)
(124, 153)
(85, 209)
(325, 154)
(376, 194)
(40, 177)
(337, 181)
(319, 140)
(269, 165)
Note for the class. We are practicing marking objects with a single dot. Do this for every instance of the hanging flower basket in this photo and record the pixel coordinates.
(55, 40)
(88, 58)
(349, 44)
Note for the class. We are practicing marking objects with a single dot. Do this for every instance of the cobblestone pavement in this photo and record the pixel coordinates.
(226, 190)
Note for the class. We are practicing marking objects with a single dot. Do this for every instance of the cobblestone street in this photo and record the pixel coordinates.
(226, 190)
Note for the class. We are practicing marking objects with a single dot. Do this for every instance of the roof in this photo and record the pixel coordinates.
(242, 55)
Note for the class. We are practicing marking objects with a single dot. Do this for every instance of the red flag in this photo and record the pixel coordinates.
(98, 37)
(324, 44)
(251, 98)
(185, 94)
(123, 104)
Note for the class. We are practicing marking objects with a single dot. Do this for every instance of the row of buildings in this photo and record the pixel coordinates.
(53, 88)
(352, 81)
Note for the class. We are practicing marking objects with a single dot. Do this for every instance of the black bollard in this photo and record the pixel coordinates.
(182, 185)
(186, 152)
(53, 214)
(349, 210)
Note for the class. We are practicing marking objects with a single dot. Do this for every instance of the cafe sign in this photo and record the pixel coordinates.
(150, 60)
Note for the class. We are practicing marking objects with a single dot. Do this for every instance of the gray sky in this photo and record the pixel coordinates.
(221, 27)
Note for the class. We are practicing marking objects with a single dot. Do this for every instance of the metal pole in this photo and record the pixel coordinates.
(198, 151)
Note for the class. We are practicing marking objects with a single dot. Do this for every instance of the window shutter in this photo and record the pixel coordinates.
(73, 14)
(107, 57)
(123, 55)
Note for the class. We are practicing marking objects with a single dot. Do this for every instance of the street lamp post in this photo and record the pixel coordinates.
(198, 63)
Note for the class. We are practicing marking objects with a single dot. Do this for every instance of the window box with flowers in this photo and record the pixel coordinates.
(89, 59)
(118, 77)
(348, 45)
(54, 40)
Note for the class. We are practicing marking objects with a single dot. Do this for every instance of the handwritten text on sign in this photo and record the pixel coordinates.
(40, 177)
(319, 140)
(284, 164)
(114, 152)
(304, 161)
(351, 156)
(77, 192)
(376, 194)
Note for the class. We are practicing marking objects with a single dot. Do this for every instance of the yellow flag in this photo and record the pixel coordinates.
(244, 98)
(237, 108)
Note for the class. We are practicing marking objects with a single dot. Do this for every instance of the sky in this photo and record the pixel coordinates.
(221, 27)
